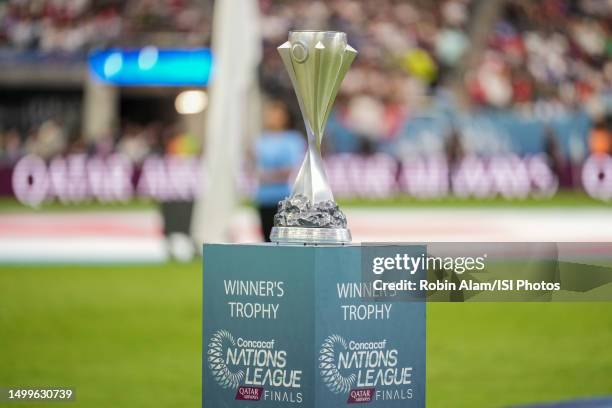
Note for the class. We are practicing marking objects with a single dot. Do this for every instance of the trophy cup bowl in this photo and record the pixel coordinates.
(317, 62)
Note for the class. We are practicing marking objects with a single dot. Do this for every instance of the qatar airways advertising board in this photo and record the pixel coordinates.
(79, 178)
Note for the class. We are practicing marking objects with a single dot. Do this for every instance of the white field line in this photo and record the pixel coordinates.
(135, 236)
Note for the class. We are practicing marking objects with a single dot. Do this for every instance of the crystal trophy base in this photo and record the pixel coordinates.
(299, 235)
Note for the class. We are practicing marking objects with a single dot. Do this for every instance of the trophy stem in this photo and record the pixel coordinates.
(311, 180)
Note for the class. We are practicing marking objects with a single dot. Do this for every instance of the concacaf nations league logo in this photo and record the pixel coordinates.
(219, 341)
(330, 373)
(257, 369)
(365, 371)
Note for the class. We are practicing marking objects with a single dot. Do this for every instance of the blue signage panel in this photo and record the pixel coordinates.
(152, 66)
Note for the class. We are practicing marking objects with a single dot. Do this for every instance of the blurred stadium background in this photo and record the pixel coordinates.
(475, 120)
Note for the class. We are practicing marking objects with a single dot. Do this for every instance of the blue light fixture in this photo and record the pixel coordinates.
(151, 66)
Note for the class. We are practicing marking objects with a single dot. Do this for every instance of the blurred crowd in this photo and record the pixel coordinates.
(136, 141)
(554, 50)
(73, 26)
(414, 56)
(540, 56)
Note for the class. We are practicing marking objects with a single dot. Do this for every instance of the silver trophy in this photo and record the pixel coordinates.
(317, 62)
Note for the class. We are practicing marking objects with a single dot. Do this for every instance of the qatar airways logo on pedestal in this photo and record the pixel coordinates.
(365, 371)
(255, 368)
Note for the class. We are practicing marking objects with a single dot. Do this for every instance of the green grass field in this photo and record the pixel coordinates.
(130, 336)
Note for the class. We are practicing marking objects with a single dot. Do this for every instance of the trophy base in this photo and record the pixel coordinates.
(313, 235)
